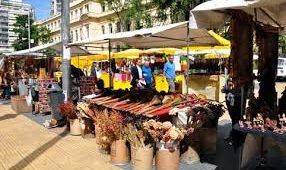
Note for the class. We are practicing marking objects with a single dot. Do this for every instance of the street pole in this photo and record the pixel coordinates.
(66, 52)
(29, 30)
(188, 58)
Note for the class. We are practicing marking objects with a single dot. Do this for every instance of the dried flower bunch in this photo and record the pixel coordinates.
(164, 132)
(136, 138)
(110, 127)
(68, 109)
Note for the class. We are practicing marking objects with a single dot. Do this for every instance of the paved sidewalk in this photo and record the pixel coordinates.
(25, 144)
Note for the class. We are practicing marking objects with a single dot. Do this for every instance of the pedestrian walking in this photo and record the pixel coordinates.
(170, 73)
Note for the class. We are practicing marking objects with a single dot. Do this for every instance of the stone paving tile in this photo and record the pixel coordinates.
(25, 144)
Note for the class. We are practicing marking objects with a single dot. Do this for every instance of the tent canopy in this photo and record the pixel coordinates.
(57, 46)
(215, 12)
(172, 35)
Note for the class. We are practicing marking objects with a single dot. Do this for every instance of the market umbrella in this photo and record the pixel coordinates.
(130, 53)
(224, 44)
(168, 51)
(214, 13)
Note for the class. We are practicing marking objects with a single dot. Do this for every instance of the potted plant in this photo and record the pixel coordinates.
(68, 109)
(110, 127)
(167, 138)
(141, 148)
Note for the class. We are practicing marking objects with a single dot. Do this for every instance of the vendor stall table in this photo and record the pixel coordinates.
(263, 135)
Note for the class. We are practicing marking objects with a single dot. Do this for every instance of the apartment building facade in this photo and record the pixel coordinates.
(88, 19)
(9, 10)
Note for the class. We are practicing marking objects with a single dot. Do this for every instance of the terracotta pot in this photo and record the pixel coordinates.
(208, 138)
(142, 159)
(119, 152)
(166, 159)
(75, 127)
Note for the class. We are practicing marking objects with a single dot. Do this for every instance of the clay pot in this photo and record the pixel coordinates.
(75, 127)
(142, 158)
(167, 159)
(208, 138)
(119, 152)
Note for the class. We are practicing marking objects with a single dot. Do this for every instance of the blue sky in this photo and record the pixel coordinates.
(42, 8)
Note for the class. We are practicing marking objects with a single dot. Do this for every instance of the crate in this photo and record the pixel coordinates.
(19, 104)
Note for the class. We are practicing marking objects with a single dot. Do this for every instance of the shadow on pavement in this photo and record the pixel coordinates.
(8, 116)
(35, 154)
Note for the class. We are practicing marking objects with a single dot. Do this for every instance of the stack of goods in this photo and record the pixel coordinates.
(43, 84)
(260, 117)
(87, 85)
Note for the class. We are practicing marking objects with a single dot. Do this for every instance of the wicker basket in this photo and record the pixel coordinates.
(19, 104)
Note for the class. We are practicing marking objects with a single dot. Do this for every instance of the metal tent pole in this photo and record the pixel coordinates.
(188, 59)
(66, 52)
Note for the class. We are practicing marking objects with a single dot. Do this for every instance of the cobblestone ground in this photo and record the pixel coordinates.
(25, 144)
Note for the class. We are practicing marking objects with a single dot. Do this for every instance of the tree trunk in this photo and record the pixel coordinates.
(241, 48)
(241, 58)
(267, 41)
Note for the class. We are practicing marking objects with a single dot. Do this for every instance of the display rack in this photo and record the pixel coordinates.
(43, 106)
(87, 85)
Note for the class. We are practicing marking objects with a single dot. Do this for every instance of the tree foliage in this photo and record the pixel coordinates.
(37, 34)
(130, 11)
(282, 44)
(178, 10)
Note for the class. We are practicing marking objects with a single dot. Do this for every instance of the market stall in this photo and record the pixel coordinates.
(155, 123)
(37, 71)
(263, 117)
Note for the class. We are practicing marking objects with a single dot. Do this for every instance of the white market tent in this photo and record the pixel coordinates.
(215, 12)
(57, 46)
(172, 35)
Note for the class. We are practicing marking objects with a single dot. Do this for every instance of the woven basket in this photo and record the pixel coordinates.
(19, 104)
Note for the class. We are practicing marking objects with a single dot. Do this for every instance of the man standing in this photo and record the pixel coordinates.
(136, 73)
(93, 70)
(147, 73)
(170, 73)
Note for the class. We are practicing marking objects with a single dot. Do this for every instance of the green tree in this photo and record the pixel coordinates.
(135, 12)
(177, 10)
(37, 34)
(282, 44)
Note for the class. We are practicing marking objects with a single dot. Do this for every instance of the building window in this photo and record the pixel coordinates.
(103, 29)
(103, 7)
(118, 26)
(80, 12)
(128, 25)
(87, 31)
(76, 35)
(110, 28)
(72, 15)
(86, 8)
(76, 13)
(81, 33)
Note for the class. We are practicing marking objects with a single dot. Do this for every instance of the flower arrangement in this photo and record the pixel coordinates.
(68, 109)
(109, 126)
(164, 132)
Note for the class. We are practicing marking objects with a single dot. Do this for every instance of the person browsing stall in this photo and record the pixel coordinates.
(147, 73)
(136, 73)
(170, 73)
